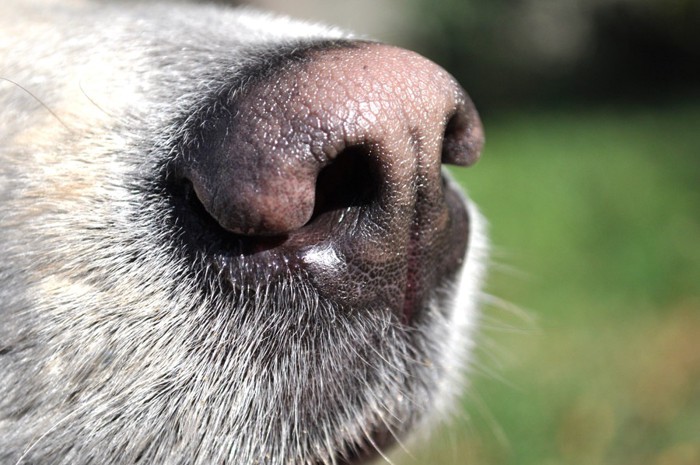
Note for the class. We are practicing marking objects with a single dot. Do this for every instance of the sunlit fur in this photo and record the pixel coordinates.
(112, 351)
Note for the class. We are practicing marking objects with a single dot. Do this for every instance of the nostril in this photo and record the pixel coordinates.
(350, 180)
(463, 138)
(204, 232)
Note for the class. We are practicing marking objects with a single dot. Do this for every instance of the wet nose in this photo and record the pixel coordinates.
(361, 122)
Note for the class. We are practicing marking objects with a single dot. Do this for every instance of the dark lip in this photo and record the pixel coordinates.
(366, 450)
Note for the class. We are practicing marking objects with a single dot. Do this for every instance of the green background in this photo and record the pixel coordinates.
(590, 179)
(591, 352)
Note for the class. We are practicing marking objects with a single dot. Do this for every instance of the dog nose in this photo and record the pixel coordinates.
(357, 123)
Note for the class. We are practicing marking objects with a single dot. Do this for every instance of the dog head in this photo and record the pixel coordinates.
(225, 238)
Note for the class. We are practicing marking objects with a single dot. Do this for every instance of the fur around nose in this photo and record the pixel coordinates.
(284, 129)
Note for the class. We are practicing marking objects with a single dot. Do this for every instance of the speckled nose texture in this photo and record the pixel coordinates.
(337, 159)
(402, 110)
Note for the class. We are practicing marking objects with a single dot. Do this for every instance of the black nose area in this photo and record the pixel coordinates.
(346, 126)
(329, 168)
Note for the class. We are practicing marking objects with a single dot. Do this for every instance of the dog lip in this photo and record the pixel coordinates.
(368, 449)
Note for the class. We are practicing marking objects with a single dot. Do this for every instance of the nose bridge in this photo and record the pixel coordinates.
(287, 127)
(390, 100)
(369, 93)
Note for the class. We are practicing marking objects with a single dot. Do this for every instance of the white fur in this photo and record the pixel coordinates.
(116, 347)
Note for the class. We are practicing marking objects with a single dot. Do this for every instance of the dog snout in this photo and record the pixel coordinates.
(359, 124)
(332, 163)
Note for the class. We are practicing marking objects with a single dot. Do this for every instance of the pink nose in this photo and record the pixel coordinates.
(361, 122)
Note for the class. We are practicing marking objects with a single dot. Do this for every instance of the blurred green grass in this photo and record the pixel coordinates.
(595, 221)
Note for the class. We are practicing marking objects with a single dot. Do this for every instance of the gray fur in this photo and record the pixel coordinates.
(112, 351)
